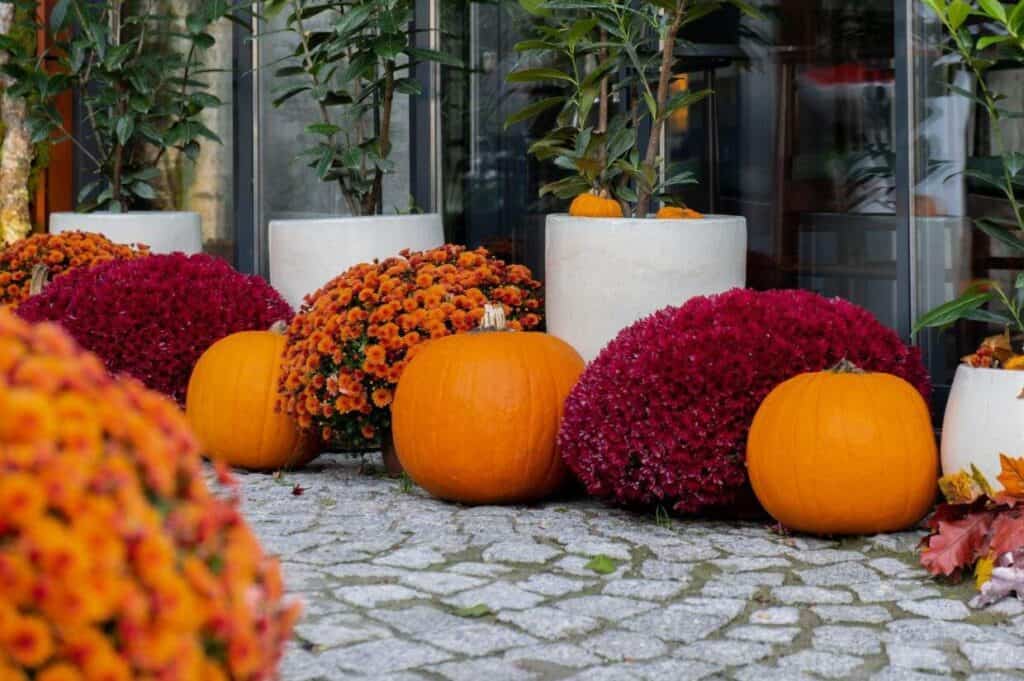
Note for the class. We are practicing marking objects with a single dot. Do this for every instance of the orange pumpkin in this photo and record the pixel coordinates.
(476, 415)
(844, 452)
(595, 204)
(678, 213)
(232, 404)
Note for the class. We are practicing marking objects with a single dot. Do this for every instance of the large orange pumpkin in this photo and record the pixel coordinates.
(232, 404)
(595, 204)
(476, 415)
(844, 452)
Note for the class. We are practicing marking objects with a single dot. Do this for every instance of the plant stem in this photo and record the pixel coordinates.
(384, 140)
(658, 120)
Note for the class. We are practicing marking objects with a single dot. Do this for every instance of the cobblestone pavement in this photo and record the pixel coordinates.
(399, 586)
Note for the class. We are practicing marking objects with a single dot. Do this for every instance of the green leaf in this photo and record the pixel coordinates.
(990, 40)
(124, 129)
(143, 190)
(958, 13)
(954, 310)
(423, 54)
(325, 129)
(533, 110)
(538, 74)
(1000, 233)
(602, 564)
(994, 9)
(473, 611)
(59, 14)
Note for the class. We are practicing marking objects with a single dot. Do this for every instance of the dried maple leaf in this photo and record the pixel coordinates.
(957, 543)
(298, 490)
(1007, 532)
(960, 488)
(1012, 476)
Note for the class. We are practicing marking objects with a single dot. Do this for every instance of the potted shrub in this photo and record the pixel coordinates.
(607, 264)
(138, 74)
(352, 59)
(985, 413)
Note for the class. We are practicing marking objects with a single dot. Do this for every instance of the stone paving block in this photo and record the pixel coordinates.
(895, 590)
(932, 631)
(479, 569)
(916, 657)
(745, 564)
(339, 630)
(442, 583)
(604, 607)
(761, 672)
(618, 645)
(936, 608)
(895, 674)
(376, 658)
(663, 569)
(750, 546)
(838, 574)
(489, 669)
(829, 665)
(549, 623)
(811, 595)
(519, 552)
(553, 585)
(677, 623)
(476, 639)
(867, 614)
(994, 655)
(596, 547)
(418, 619)
(825, 556)
(775, 616)
(497, 596)
(688, 552)
(660, 670)
(764, 634)
(726, 653)
(577, 565)
(561, 654)
(644, 589)
(371, 595)
(415, 558)
(854, 640)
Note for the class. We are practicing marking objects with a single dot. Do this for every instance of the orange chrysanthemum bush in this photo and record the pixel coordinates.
(59, 253)
(117, 562)
(348, 346)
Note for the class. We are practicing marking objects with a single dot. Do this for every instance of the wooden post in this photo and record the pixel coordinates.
(55, 189)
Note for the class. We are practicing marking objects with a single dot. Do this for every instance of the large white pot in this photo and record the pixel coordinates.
(162, 231)
(603, 274)
(984, 417)
(305, 254)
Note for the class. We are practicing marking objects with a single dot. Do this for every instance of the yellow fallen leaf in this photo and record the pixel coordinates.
(983, 572)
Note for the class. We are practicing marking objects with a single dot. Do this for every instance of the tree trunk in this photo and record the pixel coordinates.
(16, 153)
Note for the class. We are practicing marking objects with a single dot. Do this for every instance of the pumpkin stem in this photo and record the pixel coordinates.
(279, 327)
(845, 366)
(40, 278)
(493, 319)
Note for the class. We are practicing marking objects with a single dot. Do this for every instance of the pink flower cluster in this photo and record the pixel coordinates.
(152, 318)
(662, 415)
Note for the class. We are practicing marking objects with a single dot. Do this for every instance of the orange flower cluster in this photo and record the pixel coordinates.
(117, 562)
(348, 346)
(60, 253)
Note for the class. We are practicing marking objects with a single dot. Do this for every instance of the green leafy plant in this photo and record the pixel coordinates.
(140, 77)
(351, 57)
(982, 34)
(613, 62)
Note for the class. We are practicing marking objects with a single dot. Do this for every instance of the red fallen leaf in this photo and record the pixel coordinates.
(298, 490)
(1007, 532)
(957, 544)
(1012, 475)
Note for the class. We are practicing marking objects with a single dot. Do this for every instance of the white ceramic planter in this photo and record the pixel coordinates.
(162, 231)
(984, 418)
(603, 274)
(307, 253)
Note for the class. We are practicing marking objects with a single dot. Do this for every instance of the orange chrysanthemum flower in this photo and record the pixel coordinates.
(109, 534)
(376, 315)
(59, 253)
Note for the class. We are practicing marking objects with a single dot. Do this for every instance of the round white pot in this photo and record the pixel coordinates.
(603, 274)
(305, 254)
(162, 231)
(984, 418)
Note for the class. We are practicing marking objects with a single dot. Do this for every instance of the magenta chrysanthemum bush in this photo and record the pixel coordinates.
(661, 415)
(152, 318)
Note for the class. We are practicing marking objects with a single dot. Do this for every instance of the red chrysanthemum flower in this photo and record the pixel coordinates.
(661, 416)
(152, 318)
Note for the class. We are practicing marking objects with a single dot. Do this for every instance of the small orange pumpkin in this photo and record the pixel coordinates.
(844, 452)
(678, 213)
(232, 404)
(594, 204)
(476, 415)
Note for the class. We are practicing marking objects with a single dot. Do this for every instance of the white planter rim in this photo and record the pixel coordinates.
(1011, 372)
(127, 214)
(327, 219)
(709, 217)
